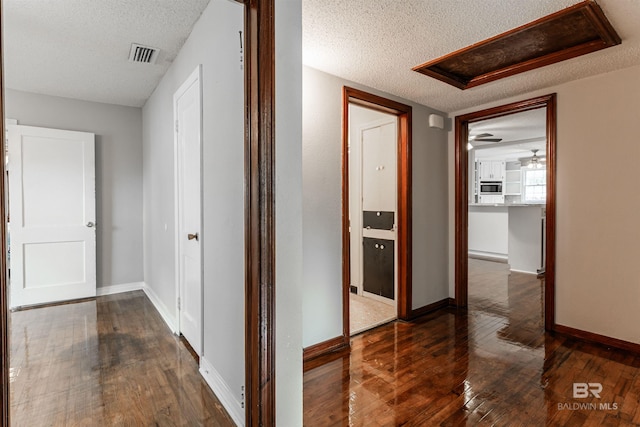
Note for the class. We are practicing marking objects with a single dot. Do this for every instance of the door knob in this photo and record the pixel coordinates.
(91, 224)
(192, 236)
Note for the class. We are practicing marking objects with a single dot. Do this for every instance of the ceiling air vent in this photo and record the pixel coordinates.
(144, 54)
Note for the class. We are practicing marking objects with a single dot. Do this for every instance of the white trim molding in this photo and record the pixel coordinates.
(169, 319)
(118, 289)
(222, 391)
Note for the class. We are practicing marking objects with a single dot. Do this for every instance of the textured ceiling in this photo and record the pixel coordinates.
(376, 43)
(79, 48)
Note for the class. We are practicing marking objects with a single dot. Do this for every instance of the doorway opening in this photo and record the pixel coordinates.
(373, 138)
(376, 220)
(505, 200)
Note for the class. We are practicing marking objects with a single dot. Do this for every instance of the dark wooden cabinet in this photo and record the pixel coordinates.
(378, 220)
(379, 255)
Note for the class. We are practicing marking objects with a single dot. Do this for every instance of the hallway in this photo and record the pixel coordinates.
(108, 361)
(490, 365)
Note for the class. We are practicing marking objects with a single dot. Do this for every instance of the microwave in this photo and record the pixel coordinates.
(488, 188)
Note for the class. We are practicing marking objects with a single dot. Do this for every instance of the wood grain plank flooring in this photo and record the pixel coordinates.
(492, 364)
(107, 362)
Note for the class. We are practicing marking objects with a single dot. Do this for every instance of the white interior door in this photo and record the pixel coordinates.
(373, 183)
(52, 215)
(188, 113)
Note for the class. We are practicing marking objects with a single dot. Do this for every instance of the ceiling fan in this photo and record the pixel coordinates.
(534, 161)
(481, 137)
(484, 137)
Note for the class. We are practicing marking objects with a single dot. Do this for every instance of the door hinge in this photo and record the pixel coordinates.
(178, 303)
(177, 125)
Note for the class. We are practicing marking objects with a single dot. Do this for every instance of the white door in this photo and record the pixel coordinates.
(374, 186)
(379, 146)
(52, 215)
(188, 107)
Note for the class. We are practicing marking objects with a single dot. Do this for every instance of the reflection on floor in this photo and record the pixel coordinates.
(495, 291)
(107, 362)
(366, 313)
(490, 365)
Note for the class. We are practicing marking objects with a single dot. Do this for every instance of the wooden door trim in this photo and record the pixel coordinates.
(4, 302)
(461, 197)
(403, 112)
(260, 283)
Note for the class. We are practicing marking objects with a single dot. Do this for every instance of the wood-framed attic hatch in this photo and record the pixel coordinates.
(577, 30)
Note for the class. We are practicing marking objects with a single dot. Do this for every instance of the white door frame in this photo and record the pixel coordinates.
(194, 77)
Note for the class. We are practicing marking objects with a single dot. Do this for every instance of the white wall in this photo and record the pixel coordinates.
(214, 43)
(288, 27)
(322, 238)
(597, 236)
(118, 131)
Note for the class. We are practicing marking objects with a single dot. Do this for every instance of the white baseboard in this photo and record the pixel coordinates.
(524, 271)
(490, 255)
(162, 309)
(117, 289)
(222, 391)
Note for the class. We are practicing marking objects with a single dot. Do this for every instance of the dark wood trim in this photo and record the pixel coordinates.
(404, 113)
(430, 308)
(461, 195)
(4, 301)
(346, 247)
(259, 213)
(574, 31)
(597, 338)
(325, 347)
(461, 213)
(343, 354)
(550, 237)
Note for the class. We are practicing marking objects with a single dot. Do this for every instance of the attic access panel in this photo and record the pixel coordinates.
(571, 32)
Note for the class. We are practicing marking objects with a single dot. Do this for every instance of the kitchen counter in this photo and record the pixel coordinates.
(512, 232)
(526, 237)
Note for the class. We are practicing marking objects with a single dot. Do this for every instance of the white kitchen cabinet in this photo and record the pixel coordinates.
(491, 170)
(513, 176)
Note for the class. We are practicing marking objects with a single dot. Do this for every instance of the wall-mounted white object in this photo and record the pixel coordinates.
(436, 121)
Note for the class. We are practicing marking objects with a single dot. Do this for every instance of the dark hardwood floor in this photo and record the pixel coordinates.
(492, 364)
(111, 361)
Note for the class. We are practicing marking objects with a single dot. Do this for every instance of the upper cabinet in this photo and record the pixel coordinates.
(513, 185)
(491, 170)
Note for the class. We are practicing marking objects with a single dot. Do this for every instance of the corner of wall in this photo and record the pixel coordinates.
(168, 318)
